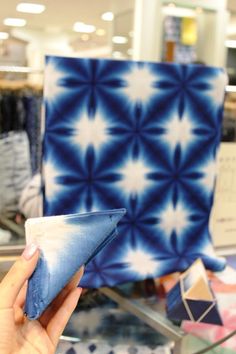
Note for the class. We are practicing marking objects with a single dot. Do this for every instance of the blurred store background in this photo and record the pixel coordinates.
(184, 31)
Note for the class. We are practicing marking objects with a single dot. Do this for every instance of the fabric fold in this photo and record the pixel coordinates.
(66, 243)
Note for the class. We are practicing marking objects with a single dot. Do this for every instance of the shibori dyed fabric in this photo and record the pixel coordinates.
(142, 136)
(66, 242)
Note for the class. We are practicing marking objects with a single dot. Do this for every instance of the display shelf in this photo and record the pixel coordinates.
(148, 315)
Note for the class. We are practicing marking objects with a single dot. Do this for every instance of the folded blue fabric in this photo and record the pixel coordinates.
(66, 243)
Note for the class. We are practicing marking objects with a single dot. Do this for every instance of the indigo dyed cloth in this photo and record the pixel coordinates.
(66, 243)
(142, 136)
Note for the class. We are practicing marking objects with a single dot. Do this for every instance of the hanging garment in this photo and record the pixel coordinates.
(31, 199)
(15, 170)
(20, 110)
(142, 136)
(12, 111)
(32, 105)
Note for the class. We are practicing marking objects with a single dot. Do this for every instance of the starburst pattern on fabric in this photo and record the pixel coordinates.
(141, 136)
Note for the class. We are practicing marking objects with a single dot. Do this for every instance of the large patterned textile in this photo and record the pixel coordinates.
(137, 135)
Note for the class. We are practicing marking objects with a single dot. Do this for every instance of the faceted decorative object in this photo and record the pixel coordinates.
(66, 243)
(192, 297)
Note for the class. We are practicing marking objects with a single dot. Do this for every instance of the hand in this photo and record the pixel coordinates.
(17, 333)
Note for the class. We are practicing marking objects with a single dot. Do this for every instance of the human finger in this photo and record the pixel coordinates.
(19, 316)
(20, 299)
(56, 303)
(17, 276)
(58, 322)
(19, 304)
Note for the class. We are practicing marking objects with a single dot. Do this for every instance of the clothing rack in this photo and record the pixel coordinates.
(20, 120)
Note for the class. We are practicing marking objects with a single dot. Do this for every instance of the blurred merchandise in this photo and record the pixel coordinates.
(179, 39)
(224, 286)
(192, 297)
(229, 121)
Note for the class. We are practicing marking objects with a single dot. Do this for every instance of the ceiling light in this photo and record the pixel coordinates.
(83, 27)
(4, 35)
(100, 32)
(15, 22)
(119, 40)
(230, 43)
(30, 8)
(107, 16)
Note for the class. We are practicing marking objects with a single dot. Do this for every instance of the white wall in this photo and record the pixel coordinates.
(148, 23)
(211, 37)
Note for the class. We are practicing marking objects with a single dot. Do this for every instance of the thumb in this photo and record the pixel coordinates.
(17, 276)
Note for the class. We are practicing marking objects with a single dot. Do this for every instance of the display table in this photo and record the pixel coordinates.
(127, 325)
(121, 318)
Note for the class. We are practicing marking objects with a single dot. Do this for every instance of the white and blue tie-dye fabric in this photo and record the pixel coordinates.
(138, 135)
(66, 243)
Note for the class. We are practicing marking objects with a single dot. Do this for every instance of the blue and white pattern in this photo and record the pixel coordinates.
(95, 347)
(66, 243)
(172, 28)
(105, 328)
(142, 136)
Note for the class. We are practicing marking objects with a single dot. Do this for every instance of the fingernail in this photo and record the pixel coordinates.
(29, 251)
